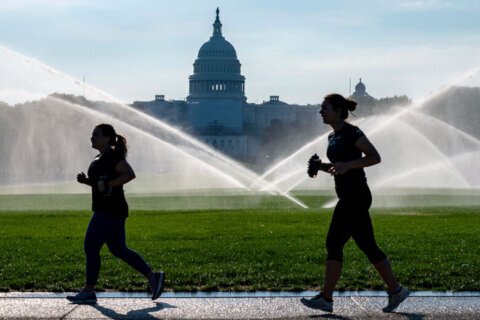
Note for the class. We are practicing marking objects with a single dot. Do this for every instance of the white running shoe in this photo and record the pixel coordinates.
(318, 302)
(395, 299)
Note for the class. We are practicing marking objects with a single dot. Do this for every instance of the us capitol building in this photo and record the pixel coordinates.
(216, 109)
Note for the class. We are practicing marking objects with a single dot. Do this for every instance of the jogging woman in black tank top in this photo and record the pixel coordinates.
(107, 174)
(349, 151)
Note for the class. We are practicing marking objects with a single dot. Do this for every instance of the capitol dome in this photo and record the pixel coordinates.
(216, 71)
(360, 94)
(360, 88)
(217, 47)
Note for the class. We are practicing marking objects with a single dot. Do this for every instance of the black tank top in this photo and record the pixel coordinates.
(341, 148)
(109, 203)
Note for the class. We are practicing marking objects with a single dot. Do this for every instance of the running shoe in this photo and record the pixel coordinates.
(156, 284)
(395, 299)
(319, 302)
(83, 297)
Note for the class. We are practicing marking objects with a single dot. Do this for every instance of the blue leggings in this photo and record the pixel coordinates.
(104, 229)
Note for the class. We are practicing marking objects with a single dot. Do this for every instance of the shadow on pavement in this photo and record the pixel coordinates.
(137, 314)
(411, 316)
(330, 316)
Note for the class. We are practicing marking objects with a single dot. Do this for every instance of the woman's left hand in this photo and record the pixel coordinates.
(338, 168)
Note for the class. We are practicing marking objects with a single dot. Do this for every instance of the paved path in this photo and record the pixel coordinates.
(354, 307)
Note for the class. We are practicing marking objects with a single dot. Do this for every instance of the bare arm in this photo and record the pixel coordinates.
(372, 157)
(126, 174)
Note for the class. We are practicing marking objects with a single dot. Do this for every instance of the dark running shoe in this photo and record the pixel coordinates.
(156, 284)
(395, 299)
(319, 302)
(83, 297)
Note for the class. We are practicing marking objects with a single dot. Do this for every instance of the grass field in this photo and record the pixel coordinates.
(270, 246)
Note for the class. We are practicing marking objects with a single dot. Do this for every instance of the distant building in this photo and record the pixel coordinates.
(361, 96)
(360, 91)
(216, 109)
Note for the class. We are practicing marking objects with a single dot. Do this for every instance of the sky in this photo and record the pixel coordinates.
(299, 50)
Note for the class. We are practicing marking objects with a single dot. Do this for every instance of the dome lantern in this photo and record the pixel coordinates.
(217, 26)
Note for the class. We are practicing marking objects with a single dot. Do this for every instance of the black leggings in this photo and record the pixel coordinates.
(105, 229)
(351, 219)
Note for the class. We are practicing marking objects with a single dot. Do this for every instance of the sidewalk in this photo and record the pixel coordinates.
(352, 307)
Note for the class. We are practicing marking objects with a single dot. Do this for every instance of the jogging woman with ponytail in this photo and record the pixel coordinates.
(350, 218)
(107, 174)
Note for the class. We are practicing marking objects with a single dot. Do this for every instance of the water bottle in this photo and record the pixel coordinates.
(313, 166)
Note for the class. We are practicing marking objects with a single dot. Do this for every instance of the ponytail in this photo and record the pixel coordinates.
(121, 145)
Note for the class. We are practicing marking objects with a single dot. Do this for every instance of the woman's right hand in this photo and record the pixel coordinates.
(82, 178)
(325, 166)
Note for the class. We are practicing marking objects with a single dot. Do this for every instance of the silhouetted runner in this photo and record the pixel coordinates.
(351, 218)
(107, 174)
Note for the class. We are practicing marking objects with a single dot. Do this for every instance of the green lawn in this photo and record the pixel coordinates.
(242, 250)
